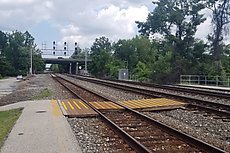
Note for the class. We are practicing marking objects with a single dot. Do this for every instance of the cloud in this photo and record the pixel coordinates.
(22, 14)
(75, 20)
(112, 22)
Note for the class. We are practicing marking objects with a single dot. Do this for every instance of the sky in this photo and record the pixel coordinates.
(80, 21)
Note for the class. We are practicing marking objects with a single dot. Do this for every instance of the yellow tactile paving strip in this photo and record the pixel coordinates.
(149, 103)
(138, 104)
(105, 105)
(75, 108)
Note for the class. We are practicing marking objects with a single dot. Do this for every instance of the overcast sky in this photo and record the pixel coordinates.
(77, 20)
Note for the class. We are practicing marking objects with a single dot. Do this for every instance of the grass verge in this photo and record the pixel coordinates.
(7, 121)
(43, 94)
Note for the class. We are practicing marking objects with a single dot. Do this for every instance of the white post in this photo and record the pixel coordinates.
(31, 61)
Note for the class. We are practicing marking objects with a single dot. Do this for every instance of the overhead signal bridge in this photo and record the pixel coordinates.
(60, 56)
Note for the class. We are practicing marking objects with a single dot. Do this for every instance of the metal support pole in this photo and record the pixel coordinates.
(70, 65)
(228, 82)
(86, 52)
(205, 80)
(76, 67)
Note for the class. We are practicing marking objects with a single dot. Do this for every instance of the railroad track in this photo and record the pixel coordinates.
(221, 110)
(221, 93)
(196, 90)
(142, 133)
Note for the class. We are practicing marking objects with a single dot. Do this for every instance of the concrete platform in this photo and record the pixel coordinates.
(206, 87)
(41, 128)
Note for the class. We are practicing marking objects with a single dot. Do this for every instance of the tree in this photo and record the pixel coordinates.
(38, 63)
(55, 68)
(126, 51)
(101, 43)
(176, 21)
(15, 57)
(3, 42)
(132, 51)
(141, 71)
(101, 57)
(220, 19)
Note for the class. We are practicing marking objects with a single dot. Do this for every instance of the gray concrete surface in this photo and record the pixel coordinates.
(7, 86)
(40, 129)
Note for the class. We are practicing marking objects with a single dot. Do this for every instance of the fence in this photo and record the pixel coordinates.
(205, 80)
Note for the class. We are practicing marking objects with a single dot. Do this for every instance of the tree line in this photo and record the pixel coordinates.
(15, 49)
(177, 53)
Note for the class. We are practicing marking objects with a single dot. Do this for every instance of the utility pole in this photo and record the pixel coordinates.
(86, 52)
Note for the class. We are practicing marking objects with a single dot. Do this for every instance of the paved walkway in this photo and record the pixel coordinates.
(41, 128)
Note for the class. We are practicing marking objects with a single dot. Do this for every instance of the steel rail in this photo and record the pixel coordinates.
(209, 92)
(221, 109)
(181, 89)
(124, 135)
(136, 144)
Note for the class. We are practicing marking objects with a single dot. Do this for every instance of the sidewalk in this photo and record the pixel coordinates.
(41, 128)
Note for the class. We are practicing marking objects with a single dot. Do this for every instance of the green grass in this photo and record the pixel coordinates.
(7, 121)
(43, 94)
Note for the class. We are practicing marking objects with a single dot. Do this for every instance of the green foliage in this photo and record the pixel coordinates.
(55, 68)
(177, 22)
(38, 63)
(15, 53)
(141, 72)
(101, 43)
(101, 57)
(161, 69)
(220, 21)
(113, 68)
(7, 121)
(99, 65)
(134, 50)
